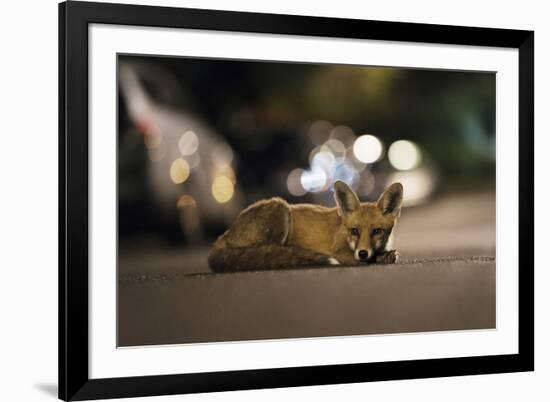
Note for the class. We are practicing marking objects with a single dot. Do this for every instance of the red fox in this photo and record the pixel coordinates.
(273, 234)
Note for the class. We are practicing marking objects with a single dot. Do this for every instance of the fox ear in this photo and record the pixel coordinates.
(390, 201)
(345, 198)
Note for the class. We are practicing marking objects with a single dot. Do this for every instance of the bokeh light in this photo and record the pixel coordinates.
(222, 155)
(189, 216)
(158, 153)
(153, 137)
(186, 201)
(193, 160)
(227, 172)
(417, 184)
(344, 134)
(294, 184)
(319, 131)
(335, 147)
(345, 173)
(209, 161)
(179, 171)
(314, 152)
(222, 189)
(367, 148)
(353, 162)
(323, 160)
(404, 155)
(314, 180)
(188, 143)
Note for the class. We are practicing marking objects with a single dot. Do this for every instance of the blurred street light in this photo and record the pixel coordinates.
(368, 149)
(404, 155)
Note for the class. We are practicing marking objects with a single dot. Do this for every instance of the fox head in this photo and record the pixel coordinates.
(368, 225)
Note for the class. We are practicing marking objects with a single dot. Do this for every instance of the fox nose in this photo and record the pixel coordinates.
(363, 254)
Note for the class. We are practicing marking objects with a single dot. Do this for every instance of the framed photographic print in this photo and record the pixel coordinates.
(256, 200)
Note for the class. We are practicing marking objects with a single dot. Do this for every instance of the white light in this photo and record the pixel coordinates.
(347, 174)
(314, 152)
(294, 184)
(404, 155)
(367, 149)
(323, 160)
(188, 143)
(352, 162)
(314, 180)
(417, 184)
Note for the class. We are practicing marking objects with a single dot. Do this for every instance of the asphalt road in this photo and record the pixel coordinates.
(445, 280)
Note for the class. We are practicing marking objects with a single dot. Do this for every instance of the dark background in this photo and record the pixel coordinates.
(265, 111)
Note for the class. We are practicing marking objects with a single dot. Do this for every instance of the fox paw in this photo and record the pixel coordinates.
(389, 257)
(333, 261)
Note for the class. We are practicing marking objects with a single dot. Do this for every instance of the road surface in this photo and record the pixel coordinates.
(444, 281)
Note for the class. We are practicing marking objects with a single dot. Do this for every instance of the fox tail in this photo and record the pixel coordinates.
(264, 257)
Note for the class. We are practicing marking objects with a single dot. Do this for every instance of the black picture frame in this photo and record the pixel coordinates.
(74, 381)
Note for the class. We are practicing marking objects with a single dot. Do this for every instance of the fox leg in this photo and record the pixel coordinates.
(389, 257)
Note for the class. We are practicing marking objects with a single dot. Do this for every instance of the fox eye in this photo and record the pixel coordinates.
(354, 232)
(377, 231)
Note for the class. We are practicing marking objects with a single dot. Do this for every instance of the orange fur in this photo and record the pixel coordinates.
(272, 234)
